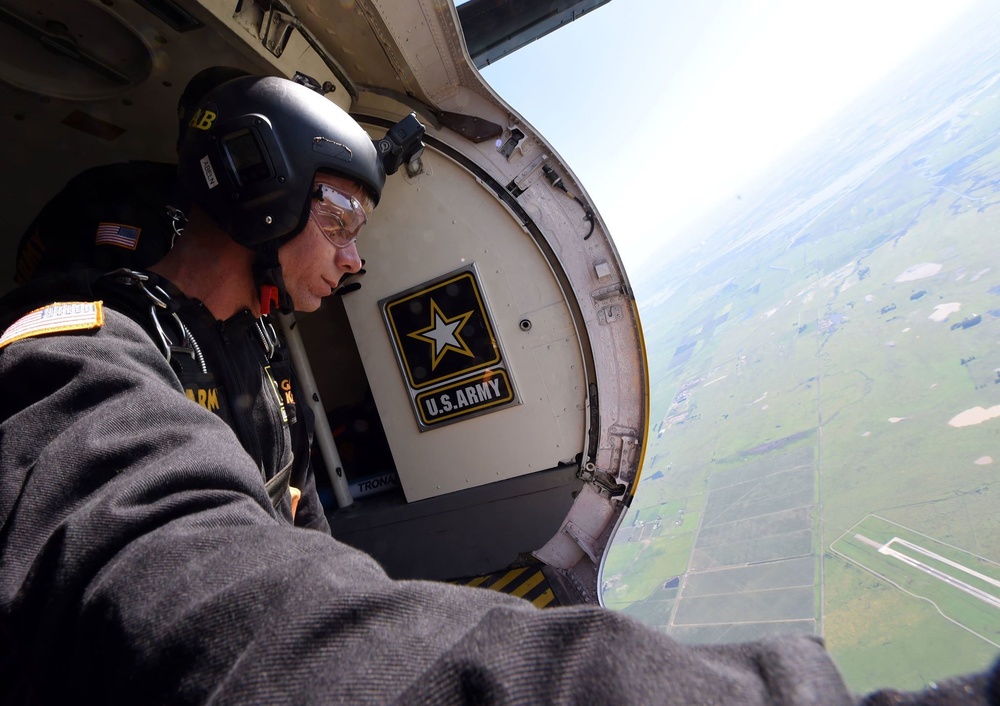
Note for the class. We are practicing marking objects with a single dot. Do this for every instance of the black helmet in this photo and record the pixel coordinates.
(198, 87)
(250, 152)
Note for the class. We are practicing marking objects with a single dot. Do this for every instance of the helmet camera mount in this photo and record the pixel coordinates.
(402, 144)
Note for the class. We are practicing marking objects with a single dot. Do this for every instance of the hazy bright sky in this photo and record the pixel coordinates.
(664, 108)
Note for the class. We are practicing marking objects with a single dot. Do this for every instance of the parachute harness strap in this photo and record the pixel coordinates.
(177, 222)
(161, 303)
(268, 338)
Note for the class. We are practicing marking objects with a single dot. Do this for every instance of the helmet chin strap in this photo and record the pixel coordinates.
(268, 280)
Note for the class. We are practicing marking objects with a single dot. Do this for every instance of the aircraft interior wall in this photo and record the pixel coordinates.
(514, 465)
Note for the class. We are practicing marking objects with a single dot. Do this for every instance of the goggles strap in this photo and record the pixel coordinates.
(268, 279)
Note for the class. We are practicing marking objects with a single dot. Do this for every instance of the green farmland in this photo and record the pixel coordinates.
(825, 365)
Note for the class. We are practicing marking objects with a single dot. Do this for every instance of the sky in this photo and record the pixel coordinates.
(665, 108)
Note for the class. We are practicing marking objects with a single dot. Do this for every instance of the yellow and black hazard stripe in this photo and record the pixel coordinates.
(527, 582)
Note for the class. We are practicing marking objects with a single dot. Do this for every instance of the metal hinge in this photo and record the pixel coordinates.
(592, 474)
(271, 26)
(275, 30)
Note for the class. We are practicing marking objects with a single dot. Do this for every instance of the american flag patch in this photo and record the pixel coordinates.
(55, 318)
(117, 234)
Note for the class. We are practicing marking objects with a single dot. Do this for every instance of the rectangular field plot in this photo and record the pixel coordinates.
(780, 522)
(753, 570)
(754, 607)
(753, 551)
(742, 632)
(760, 467)
(779, 574)
(963, 586)
(655, 613)
(784, 481)
(779, 491)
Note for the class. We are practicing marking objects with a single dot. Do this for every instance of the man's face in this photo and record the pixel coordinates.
(311, 262)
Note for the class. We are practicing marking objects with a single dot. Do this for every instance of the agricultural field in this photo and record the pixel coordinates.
(825, 381)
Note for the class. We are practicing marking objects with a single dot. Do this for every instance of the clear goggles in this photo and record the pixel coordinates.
(338, 214)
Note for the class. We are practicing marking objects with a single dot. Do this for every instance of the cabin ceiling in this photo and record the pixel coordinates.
(358, 39)
(87, 82)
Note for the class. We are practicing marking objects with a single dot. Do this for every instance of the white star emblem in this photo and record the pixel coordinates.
(444, 334)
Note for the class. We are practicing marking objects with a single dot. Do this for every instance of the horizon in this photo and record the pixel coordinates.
(716, 58)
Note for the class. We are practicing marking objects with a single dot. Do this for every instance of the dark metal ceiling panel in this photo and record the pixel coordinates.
(495, 28)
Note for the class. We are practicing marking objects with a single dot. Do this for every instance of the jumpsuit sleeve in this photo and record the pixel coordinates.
(140, 563)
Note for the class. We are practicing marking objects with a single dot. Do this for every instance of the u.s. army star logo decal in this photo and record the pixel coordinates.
(441, 330)
(447, 349)
(444, 334)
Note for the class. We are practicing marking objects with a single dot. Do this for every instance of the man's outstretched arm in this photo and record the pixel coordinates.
(140, 562)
